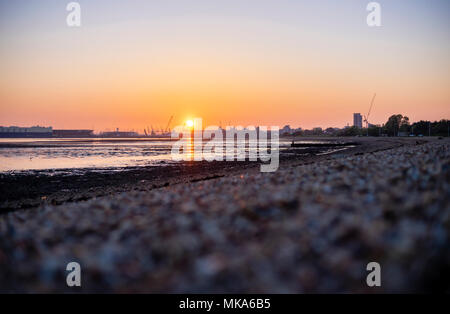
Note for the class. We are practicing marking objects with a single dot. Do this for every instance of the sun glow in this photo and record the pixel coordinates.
(189, 123)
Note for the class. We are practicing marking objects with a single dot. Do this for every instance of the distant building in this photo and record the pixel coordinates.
(317, 131)
(20, 132)
(357, 120)
(331, 131)
(119, 134)
(73, 133)
(286, 130)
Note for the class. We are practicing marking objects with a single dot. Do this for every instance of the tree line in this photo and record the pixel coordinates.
(396, 125)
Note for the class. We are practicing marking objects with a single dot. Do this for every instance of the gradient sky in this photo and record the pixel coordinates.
(305, 63)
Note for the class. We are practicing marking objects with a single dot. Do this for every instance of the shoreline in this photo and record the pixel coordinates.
(32, 189)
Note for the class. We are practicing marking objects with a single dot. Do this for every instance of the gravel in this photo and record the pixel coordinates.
(306, 228)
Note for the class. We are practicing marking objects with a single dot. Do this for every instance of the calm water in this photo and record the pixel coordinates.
(42, 154)
(81, 153)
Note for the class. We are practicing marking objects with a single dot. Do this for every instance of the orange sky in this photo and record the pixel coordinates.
(240, 70)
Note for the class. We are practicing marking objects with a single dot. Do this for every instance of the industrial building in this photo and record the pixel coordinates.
(21, 132)
(118, 133)
(73, 133)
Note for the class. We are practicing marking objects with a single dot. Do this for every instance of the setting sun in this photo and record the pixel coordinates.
(189, 123)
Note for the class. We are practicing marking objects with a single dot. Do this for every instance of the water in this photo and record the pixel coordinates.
(43, 154)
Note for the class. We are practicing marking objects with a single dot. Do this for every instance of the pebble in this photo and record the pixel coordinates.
(309, 228)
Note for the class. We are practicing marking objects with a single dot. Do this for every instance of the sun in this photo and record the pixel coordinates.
(189, 123)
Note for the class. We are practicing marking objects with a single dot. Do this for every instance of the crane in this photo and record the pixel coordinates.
(168, 125)
(366, 118)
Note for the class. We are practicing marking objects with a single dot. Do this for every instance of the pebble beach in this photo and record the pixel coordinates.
(307, 228)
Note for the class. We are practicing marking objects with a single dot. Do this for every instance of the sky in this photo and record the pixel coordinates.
(306, 63)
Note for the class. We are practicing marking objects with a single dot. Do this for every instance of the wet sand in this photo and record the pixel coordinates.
(31, 189)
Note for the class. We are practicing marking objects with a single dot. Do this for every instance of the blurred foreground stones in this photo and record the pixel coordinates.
(310, 228)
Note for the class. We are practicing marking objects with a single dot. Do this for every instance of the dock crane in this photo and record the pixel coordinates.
(168, 125)
(366, 118)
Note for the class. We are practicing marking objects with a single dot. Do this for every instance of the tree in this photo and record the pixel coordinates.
(420, 128)
(440, 128)
(437, 128)
(351, 131)
(404, 125)
(374, 130)
(392, 126)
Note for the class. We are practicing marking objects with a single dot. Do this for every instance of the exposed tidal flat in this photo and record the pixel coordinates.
(35, 172)
(312, 226)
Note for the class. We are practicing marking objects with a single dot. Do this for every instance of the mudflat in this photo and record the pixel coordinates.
(31, 189)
